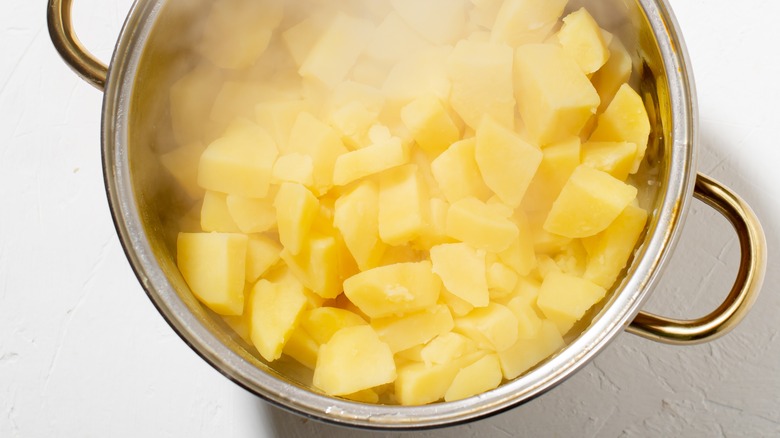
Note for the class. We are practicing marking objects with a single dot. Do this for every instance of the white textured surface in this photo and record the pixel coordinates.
(84, 353)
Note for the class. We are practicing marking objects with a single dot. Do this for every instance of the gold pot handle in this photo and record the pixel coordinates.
(743, 294)
(70, 48)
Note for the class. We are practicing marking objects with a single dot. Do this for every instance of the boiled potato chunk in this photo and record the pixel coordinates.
(506, 162)
(413, 329)
(312, 137)
(462, 270)
(278, 118)
(625, 119)
(261, 254)
(612, 247)
(615, 73)
(444, 29)
(501, 280)
(302, 348)
(354, 359)
(323, 322)
(214, 267)
(394, 290)
(588, 203)
(526, 21)
(419, 383)
(301, 38)
(276, 310)
(356, 216)
(476, 223)
(394, 40)
(239, 163)
(554, 97)
(493, 327)
(192, 97)
(565, 298)
(558, 163)
(296, 209)
(481, 376)
(446, 348)
(430, 125)
(481, 75)
(582, 39)
(370, 160)
(317, 265)
(423, 73)
(251, 215)
(615, 158)
(294, 168)
(526, 353)
(528, 321)
(403, 205)
(215, 215)
(457, 173)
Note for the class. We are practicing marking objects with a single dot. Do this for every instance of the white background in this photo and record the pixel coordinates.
(83, 353)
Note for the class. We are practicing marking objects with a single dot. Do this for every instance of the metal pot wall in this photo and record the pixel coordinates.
(142, 211)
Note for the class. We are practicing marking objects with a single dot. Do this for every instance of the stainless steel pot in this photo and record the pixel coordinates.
(141, 209)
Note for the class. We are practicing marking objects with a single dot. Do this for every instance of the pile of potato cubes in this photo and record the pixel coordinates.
(415, 199)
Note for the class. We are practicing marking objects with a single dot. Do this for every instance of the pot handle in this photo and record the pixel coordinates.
(743, 294)
(70, 48)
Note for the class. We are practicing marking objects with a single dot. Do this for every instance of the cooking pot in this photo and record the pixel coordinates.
(134, 120)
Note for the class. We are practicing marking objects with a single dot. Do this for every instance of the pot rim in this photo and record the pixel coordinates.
(673, 207)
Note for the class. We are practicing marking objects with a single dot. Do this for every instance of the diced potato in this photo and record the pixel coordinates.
(394, 40)
(317, 265)
(615, 73)
(302, 37)
(526, 21)
(237, 101)
(472, 221)
(554, 97)
(296, 208)
(192, 97)
(403, 205)
(572, 259)
(481, 376)
(278, 117)
(458, 306)
(615, 158)
(276, 310)
(214, 266)
(323, 322)
(481, 75)
(445, 348)
(558, 163)
(625, 119)
(506, 162)
(251, 215)
(353, 360)
(613, 246)
(493, 327)
(462, 270)
(182, 164)
(421, 74)
(311, 137)
(457, 173)
(436, 232)
(354, 108)
(413, 329)
(419, 384)
(430, 125)
(588, 203)
(302, 348)
(242, 324)
(369, 161)
(240, 163)
(544, 242)
(501, 280)
(364, 396)
(394, 290)
(357, 219)
(448, 25)
(526, 353)
(520, 255)
(484, 13)
(336, 51)
(215, 216)
(564, 299)
(582, 39)
(236, 33)
(528, 321)
(261, 253)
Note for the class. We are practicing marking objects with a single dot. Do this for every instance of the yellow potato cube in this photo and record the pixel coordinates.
(370, 160)
(421, 74)
(572, 259)
(353, 360)
(528, 321)
(323, 322)
(588, 203)
(554, 97)
(544, 242)
(526, 353)
(276, 311)
(445, 348)
(192, 97)
(394, 40)
(337, 50)
(481, 376)
(302, 348)
(261, 253)
(240, 163)
(301, 38)
(309, 136)
(470, 220)
(215, 216)
(294, 168)
(625, 119)
(462, 270)
(506, 162)
(615, 73)
(365, 396)
(564, 299)
(237, 101)
(317, 265)
(214, 266)
(403, 205)
(296, 208)
(457, 173)
(613, 246)
(251, 215)
(520, 255)
(430, 125)
(448, 25)
(615, 158)
(436, 232)
(413, 329)
(356, 217)
(501, 280)
(419, 384)
(394, 290)
(278, 117)
(354, 108)
(558, 163)
(582, 39)
(493, 327)
(242, 324)
(182, 164)
(481, 75)
(526, 21)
